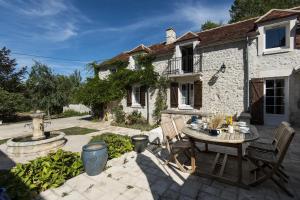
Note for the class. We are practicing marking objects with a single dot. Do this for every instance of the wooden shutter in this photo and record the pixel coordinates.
(129, 95)
(142, 95)
(197, 94)
(297, 38)
(257, 101)
(174, 95)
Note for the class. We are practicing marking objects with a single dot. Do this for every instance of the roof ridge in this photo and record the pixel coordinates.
(225, 25)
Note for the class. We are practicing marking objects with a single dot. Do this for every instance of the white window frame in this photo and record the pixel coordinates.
(136, 102)
(285, 25)
(192, 94)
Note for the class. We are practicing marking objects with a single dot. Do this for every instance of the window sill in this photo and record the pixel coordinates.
(136, 106)
(275, 51)
(185, 107)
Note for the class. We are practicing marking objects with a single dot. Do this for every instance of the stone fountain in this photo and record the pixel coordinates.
(37, 143)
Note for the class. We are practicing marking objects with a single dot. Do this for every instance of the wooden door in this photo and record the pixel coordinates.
(257, 101)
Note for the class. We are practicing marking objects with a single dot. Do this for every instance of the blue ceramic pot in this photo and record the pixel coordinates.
(94, 157)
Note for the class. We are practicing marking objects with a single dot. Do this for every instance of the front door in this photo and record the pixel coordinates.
(276, 101)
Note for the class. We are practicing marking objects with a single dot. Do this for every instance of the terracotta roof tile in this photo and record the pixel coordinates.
(187, 36)
(228, 32)
(277, 14)
(139, 49)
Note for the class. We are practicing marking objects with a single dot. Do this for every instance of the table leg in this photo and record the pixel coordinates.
(193, 155)
(240, 163)
(206, 147)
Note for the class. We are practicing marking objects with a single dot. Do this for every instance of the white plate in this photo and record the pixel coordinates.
(242, 124)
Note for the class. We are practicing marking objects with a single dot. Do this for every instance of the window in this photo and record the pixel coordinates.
(275, 37)
(275, 96)
(113, 70)
(136, 96)
(187, 94)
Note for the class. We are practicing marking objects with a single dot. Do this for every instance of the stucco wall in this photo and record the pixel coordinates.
(103, 73)
(226, 93)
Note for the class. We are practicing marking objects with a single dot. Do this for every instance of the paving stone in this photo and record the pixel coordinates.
(229, 195)
(171, 194)
(147, 196)
(210, 189)
(48, 195)
(130, 194)
(207, 196)
(160, 186)
(74, 195)
(62, 190)
(190, 188)
(81, 183)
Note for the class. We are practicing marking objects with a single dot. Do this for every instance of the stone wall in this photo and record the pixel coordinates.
(77, 107)
(279, 65)
(103, 73)
(223, 92)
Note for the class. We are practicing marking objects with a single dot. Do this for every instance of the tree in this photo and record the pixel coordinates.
(245, 9)
(10, 78)
(10, 103)
(209, 25)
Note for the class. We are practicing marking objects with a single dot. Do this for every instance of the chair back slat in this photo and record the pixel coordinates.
(168, 130)
(179, 123)
(284, 142)
(279, 132)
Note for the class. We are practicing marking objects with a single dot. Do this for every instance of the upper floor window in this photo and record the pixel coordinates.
(113, 70)
(275, 37)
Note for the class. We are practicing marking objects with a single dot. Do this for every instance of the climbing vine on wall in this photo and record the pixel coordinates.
(98, 92)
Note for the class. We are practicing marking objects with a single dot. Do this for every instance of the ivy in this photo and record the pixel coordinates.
(161, 98)
(97, 92)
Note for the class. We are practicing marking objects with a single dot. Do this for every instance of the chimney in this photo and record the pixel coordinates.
(170, 36)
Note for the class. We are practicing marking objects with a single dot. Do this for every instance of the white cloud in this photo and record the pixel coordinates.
(52, 20)
(192, 13)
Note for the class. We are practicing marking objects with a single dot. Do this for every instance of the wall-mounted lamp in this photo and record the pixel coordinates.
(223, 68)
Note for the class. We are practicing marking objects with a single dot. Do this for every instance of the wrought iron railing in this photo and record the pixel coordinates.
(183, 65)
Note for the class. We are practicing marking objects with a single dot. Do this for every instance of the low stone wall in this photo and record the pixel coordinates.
(77, 107)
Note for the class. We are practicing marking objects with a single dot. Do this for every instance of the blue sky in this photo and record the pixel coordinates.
(79, 31)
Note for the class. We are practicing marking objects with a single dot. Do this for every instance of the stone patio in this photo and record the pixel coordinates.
(143, 176)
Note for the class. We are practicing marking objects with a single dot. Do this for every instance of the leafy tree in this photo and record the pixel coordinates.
(245, 9)
(10, 103)
(10, 78)
(209, 25)
(51, 92)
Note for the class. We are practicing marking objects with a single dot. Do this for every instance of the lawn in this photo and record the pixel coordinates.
(3, 141)
(142, 127)
(77, 130)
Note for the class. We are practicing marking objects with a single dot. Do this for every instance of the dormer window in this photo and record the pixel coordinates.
(275, 37)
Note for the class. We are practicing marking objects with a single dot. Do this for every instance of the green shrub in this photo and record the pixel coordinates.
(25, 181)
(72, 113)
(136, 118)
(119, 114)
(116, 144)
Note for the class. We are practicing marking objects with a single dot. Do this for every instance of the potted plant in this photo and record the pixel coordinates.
(215, 125)
(94, 157)
(140, 142)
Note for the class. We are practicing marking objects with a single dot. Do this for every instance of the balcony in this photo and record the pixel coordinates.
(187, 65)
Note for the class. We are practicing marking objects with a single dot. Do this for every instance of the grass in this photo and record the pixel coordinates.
(3, 141)
(142, 127)
(77, 131)
(70, 113)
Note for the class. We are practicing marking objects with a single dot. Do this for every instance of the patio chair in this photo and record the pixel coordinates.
(269, 162)
(270, 146)
(175, 145)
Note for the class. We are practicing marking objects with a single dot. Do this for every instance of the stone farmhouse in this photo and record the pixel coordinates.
(249, 66)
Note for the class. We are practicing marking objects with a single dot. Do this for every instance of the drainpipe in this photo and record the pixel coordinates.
(248, 74)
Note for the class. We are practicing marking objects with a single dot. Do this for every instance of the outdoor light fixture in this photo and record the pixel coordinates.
(223, 67)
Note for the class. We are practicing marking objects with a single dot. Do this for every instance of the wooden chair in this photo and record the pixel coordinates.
(271, 146)
(269, 162)
(179, 125)
(175, 145)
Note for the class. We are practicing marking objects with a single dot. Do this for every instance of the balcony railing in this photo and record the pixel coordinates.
(184, 65)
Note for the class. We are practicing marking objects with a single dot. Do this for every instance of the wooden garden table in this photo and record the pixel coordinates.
(234, 140)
